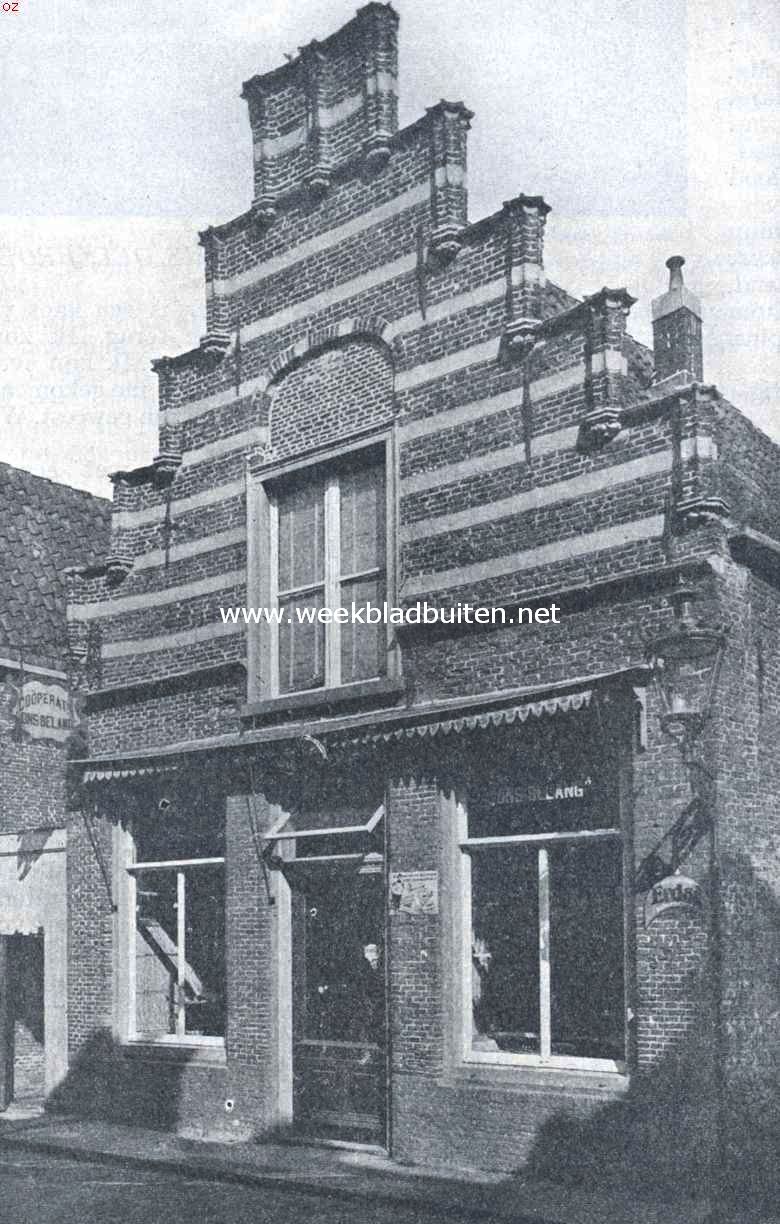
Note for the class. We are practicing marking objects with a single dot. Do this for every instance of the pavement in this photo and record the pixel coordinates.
(46, 1189)
(349, 1174)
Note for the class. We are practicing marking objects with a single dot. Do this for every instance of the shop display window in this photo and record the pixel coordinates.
(543, 900)
(176, 895)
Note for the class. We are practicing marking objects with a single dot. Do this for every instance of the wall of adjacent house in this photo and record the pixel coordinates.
(32, 909)
(26, 982)
(32, 794)
(33, 922)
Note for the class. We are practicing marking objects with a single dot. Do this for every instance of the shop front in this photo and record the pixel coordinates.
(451, 902)
(398, 932)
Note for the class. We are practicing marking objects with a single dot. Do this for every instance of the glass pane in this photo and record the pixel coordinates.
(301, 646)
(155, 953)
(301, 535)
(336, 806)
(586, 950)
(363, 646)
(342, 843)
(344, 942)
(362, 497)
(204, 950)
(489, 817)
(505, 950)
(550, 779)
(184, 830)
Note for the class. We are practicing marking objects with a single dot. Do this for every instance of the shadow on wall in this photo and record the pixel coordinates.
(26, 984)
(658, 1137)
(105, 1084)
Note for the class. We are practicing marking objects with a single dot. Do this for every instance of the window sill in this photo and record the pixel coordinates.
(317, 1043)
(323, 699)
(210, 1052)
(524, 1078)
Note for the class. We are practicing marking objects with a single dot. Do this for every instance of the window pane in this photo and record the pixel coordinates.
(344, 942)
(155, 953)
(586, 950)
(301, 535)
(362, 497)
(505, 950)
(363, 647)
(204, 960)
(301, 646)
(185, 830)
(492, 818)
(549, 779)
(342, 843)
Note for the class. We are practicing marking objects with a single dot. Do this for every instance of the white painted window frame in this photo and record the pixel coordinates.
(132, 867)
(545, 1058)
(263, 566)
(287, 838)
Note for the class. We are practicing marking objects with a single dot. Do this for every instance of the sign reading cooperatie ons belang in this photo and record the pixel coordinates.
(46, 711)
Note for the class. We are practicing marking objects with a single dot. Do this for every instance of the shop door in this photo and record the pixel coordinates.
(339, 1009)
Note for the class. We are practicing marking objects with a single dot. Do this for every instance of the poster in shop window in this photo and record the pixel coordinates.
(414, 892)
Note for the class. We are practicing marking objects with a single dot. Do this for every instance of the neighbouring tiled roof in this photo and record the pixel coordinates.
(556, 300)
(44, 528)
(640, 362)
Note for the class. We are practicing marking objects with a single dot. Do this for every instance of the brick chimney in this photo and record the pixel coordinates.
(336, 101)
(677, 346)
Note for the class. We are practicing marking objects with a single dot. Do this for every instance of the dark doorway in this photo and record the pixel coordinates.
(22, 1018)
(339, 1010)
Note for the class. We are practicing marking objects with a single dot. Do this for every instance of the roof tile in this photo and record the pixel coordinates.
(45, 527)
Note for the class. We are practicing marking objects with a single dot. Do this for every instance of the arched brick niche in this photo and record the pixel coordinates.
(330, 394)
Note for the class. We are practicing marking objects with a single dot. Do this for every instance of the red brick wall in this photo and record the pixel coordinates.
(32, 793)
(252, 1054)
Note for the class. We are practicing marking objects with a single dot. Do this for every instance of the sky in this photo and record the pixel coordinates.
(650, 127)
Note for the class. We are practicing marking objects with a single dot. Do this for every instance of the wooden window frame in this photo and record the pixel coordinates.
(127, 916)
(263, 569)
(467, 846)
(279, 835)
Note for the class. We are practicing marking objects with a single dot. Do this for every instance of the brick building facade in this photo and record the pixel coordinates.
(389, 883)
(44, 528)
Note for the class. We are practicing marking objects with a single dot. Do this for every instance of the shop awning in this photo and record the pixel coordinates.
(396, 723)
(138, 771)
(562, 703)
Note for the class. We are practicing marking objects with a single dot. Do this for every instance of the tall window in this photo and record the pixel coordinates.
(544, 915)
(329, 529)
(177, 937)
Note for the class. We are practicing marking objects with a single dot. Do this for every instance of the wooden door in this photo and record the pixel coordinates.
(339, 1008)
